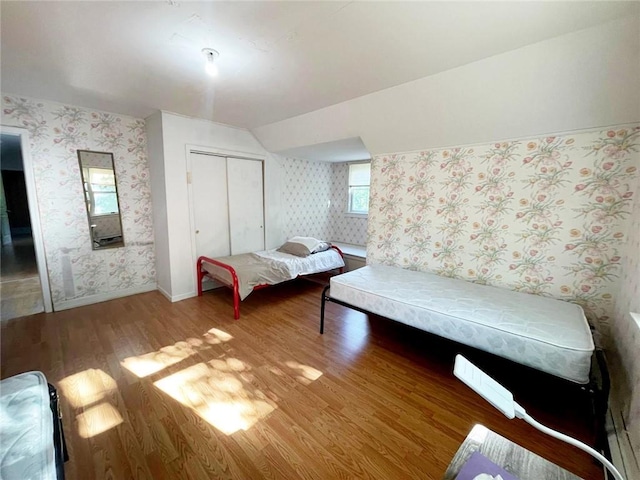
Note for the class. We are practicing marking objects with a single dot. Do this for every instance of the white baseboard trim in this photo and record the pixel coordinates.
(623, 455)
(102, 297)
(184, 296)
(176, 298)
(164, 292)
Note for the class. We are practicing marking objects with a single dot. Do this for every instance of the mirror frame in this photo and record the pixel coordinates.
(95, 245)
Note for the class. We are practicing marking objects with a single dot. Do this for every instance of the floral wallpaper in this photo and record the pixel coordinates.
(56, 132)
(546, 216)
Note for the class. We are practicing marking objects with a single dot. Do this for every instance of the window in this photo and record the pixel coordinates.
(101, 191)
(359, 179)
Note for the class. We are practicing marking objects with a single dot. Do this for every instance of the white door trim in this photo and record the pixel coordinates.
(34, 212)
(223, 152)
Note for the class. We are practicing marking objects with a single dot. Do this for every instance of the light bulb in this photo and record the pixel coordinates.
(210, 56)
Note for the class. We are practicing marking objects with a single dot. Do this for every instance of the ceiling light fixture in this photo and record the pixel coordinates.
(210, 67)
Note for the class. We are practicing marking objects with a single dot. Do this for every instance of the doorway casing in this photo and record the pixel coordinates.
(34, 213)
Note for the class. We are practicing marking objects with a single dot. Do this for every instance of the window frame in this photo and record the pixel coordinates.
(348, 211)
(91, 194)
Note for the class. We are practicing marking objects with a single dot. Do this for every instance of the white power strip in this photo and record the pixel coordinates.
(485, 386)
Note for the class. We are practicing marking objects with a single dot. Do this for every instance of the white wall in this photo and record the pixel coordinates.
(580, 80)
(175, 260)
(155, 151)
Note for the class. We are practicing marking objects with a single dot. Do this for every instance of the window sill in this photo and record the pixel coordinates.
(356, 215)
(358, 251)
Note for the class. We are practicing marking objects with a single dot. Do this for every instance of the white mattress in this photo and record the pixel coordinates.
(26, 436)
(543, 333)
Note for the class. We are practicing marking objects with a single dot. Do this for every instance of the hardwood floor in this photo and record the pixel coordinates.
(20, 289)
(155, 390)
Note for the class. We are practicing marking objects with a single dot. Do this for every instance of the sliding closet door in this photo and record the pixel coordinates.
(209, 204)
(246, 205)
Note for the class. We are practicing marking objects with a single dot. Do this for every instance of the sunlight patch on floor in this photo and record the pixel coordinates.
(219, 391)
(149, 363)
(153, 362)
(215, 336)
(305, 373)
(222, 391)
(86, 387)
(87, 392)
(98, 419)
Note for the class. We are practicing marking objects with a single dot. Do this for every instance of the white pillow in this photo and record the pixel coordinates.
(309, 242)
(324, 246)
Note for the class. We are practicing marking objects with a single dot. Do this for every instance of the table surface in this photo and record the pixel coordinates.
(515, 459)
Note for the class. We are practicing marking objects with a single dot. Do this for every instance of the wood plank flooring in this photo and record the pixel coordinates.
(20, 290)
(155, 390)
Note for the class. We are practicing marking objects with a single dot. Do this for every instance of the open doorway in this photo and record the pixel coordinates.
(22, 291)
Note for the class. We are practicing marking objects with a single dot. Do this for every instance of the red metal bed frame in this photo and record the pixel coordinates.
(234, 286)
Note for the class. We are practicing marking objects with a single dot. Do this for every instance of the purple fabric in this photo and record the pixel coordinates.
(478, 464)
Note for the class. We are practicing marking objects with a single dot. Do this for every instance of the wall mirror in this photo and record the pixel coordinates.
(101, 199)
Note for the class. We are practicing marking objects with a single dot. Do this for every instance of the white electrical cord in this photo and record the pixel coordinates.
(521, 413)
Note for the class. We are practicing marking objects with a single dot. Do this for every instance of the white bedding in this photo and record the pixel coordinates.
(543, 333)
(271, 267)
(314, 263)
(26, 436)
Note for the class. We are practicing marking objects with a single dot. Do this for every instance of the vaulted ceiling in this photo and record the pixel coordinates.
(277, 59)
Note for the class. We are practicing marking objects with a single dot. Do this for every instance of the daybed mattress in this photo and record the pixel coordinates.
(271, 267)
(543, 333)
(26, 437)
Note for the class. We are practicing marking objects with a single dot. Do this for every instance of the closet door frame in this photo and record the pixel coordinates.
(221, 152)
